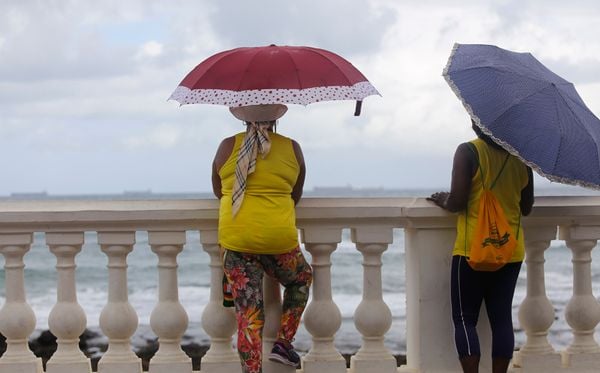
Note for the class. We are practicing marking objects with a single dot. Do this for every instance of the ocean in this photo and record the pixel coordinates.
(194, 286)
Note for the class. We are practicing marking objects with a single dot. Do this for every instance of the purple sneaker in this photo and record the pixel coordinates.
(284, 354)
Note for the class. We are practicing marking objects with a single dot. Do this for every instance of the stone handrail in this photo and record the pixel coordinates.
(429, 234)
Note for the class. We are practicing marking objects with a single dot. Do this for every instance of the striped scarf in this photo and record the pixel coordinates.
(255, 141)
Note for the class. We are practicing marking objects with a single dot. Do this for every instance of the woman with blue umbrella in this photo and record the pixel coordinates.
(477, 164)
(521, 111)
(523, 115)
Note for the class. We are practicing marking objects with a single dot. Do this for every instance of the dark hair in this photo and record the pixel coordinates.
(483, 136)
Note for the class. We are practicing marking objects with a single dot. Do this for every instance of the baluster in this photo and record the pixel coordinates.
(67, 320)
(272, 306)
(217, 321)
(118, 319)
(536, 313)
(323, 356)
(168, 319)
(17, 320)
(372, 317)
(583, 310)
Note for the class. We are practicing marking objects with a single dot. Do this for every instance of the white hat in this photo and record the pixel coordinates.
(258, 113)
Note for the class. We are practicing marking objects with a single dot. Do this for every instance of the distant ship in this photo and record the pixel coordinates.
(27, 195)
(138, 193)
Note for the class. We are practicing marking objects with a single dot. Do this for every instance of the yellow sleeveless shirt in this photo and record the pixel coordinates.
(266, 221)
(507, 191)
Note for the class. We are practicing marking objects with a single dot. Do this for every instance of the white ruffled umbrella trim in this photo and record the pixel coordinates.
(357, 92)
(505, 145)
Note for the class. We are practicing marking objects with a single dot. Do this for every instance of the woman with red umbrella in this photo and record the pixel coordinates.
(258, 193)
(257, 229)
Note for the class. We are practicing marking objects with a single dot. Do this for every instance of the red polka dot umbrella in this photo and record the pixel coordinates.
(273, 75)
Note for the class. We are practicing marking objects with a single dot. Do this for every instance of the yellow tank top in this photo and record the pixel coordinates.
(507, 191)
(266, 221)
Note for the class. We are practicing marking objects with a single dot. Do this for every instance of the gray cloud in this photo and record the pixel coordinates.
(62, 40)
(583, 71)
(347, 27)
(83, 111)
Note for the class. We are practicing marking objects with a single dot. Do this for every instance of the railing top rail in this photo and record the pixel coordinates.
(192, 214)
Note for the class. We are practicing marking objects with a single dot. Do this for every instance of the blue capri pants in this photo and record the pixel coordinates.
(469, 288)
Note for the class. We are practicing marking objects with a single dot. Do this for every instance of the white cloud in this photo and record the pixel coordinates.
(87, 82)
(346, 27)
(163, 137)
(150, 49)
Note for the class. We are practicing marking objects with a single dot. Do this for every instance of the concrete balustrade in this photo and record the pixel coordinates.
(583, 310)
(218, 321)
(168, 319)
(429, 235)
(67, 320)
(536, 313)
(118, 319)
(17, 320)
(372, 317)
(322, 316)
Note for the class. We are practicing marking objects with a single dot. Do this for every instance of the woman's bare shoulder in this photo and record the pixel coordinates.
(224, 151)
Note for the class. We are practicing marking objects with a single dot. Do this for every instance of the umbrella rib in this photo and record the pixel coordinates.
(329, 59)
(288, 54)
(560, 143)
(504, 144)
(507, 71)
(519, 101)
(535, 166)
(242, 76)
(577, 118)
(223, 55)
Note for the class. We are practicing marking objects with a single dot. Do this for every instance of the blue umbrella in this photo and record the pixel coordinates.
(528, 110)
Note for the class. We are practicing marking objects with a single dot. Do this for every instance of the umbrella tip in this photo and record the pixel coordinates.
(357, 108)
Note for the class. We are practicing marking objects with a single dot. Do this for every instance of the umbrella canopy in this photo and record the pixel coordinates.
(528, 110)
(273, 75)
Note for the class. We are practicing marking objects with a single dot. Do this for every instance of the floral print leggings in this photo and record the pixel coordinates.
(245, 274)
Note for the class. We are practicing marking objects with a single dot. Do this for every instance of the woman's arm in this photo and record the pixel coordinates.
(463, 169)
(527, 198)
(299, 186)
(223, 153)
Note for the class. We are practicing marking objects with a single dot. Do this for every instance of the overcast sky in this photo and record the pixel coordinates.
(84, 86)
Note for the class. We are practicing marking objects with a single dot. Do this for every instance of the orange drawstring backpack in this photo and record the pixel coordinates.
(493, 241)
